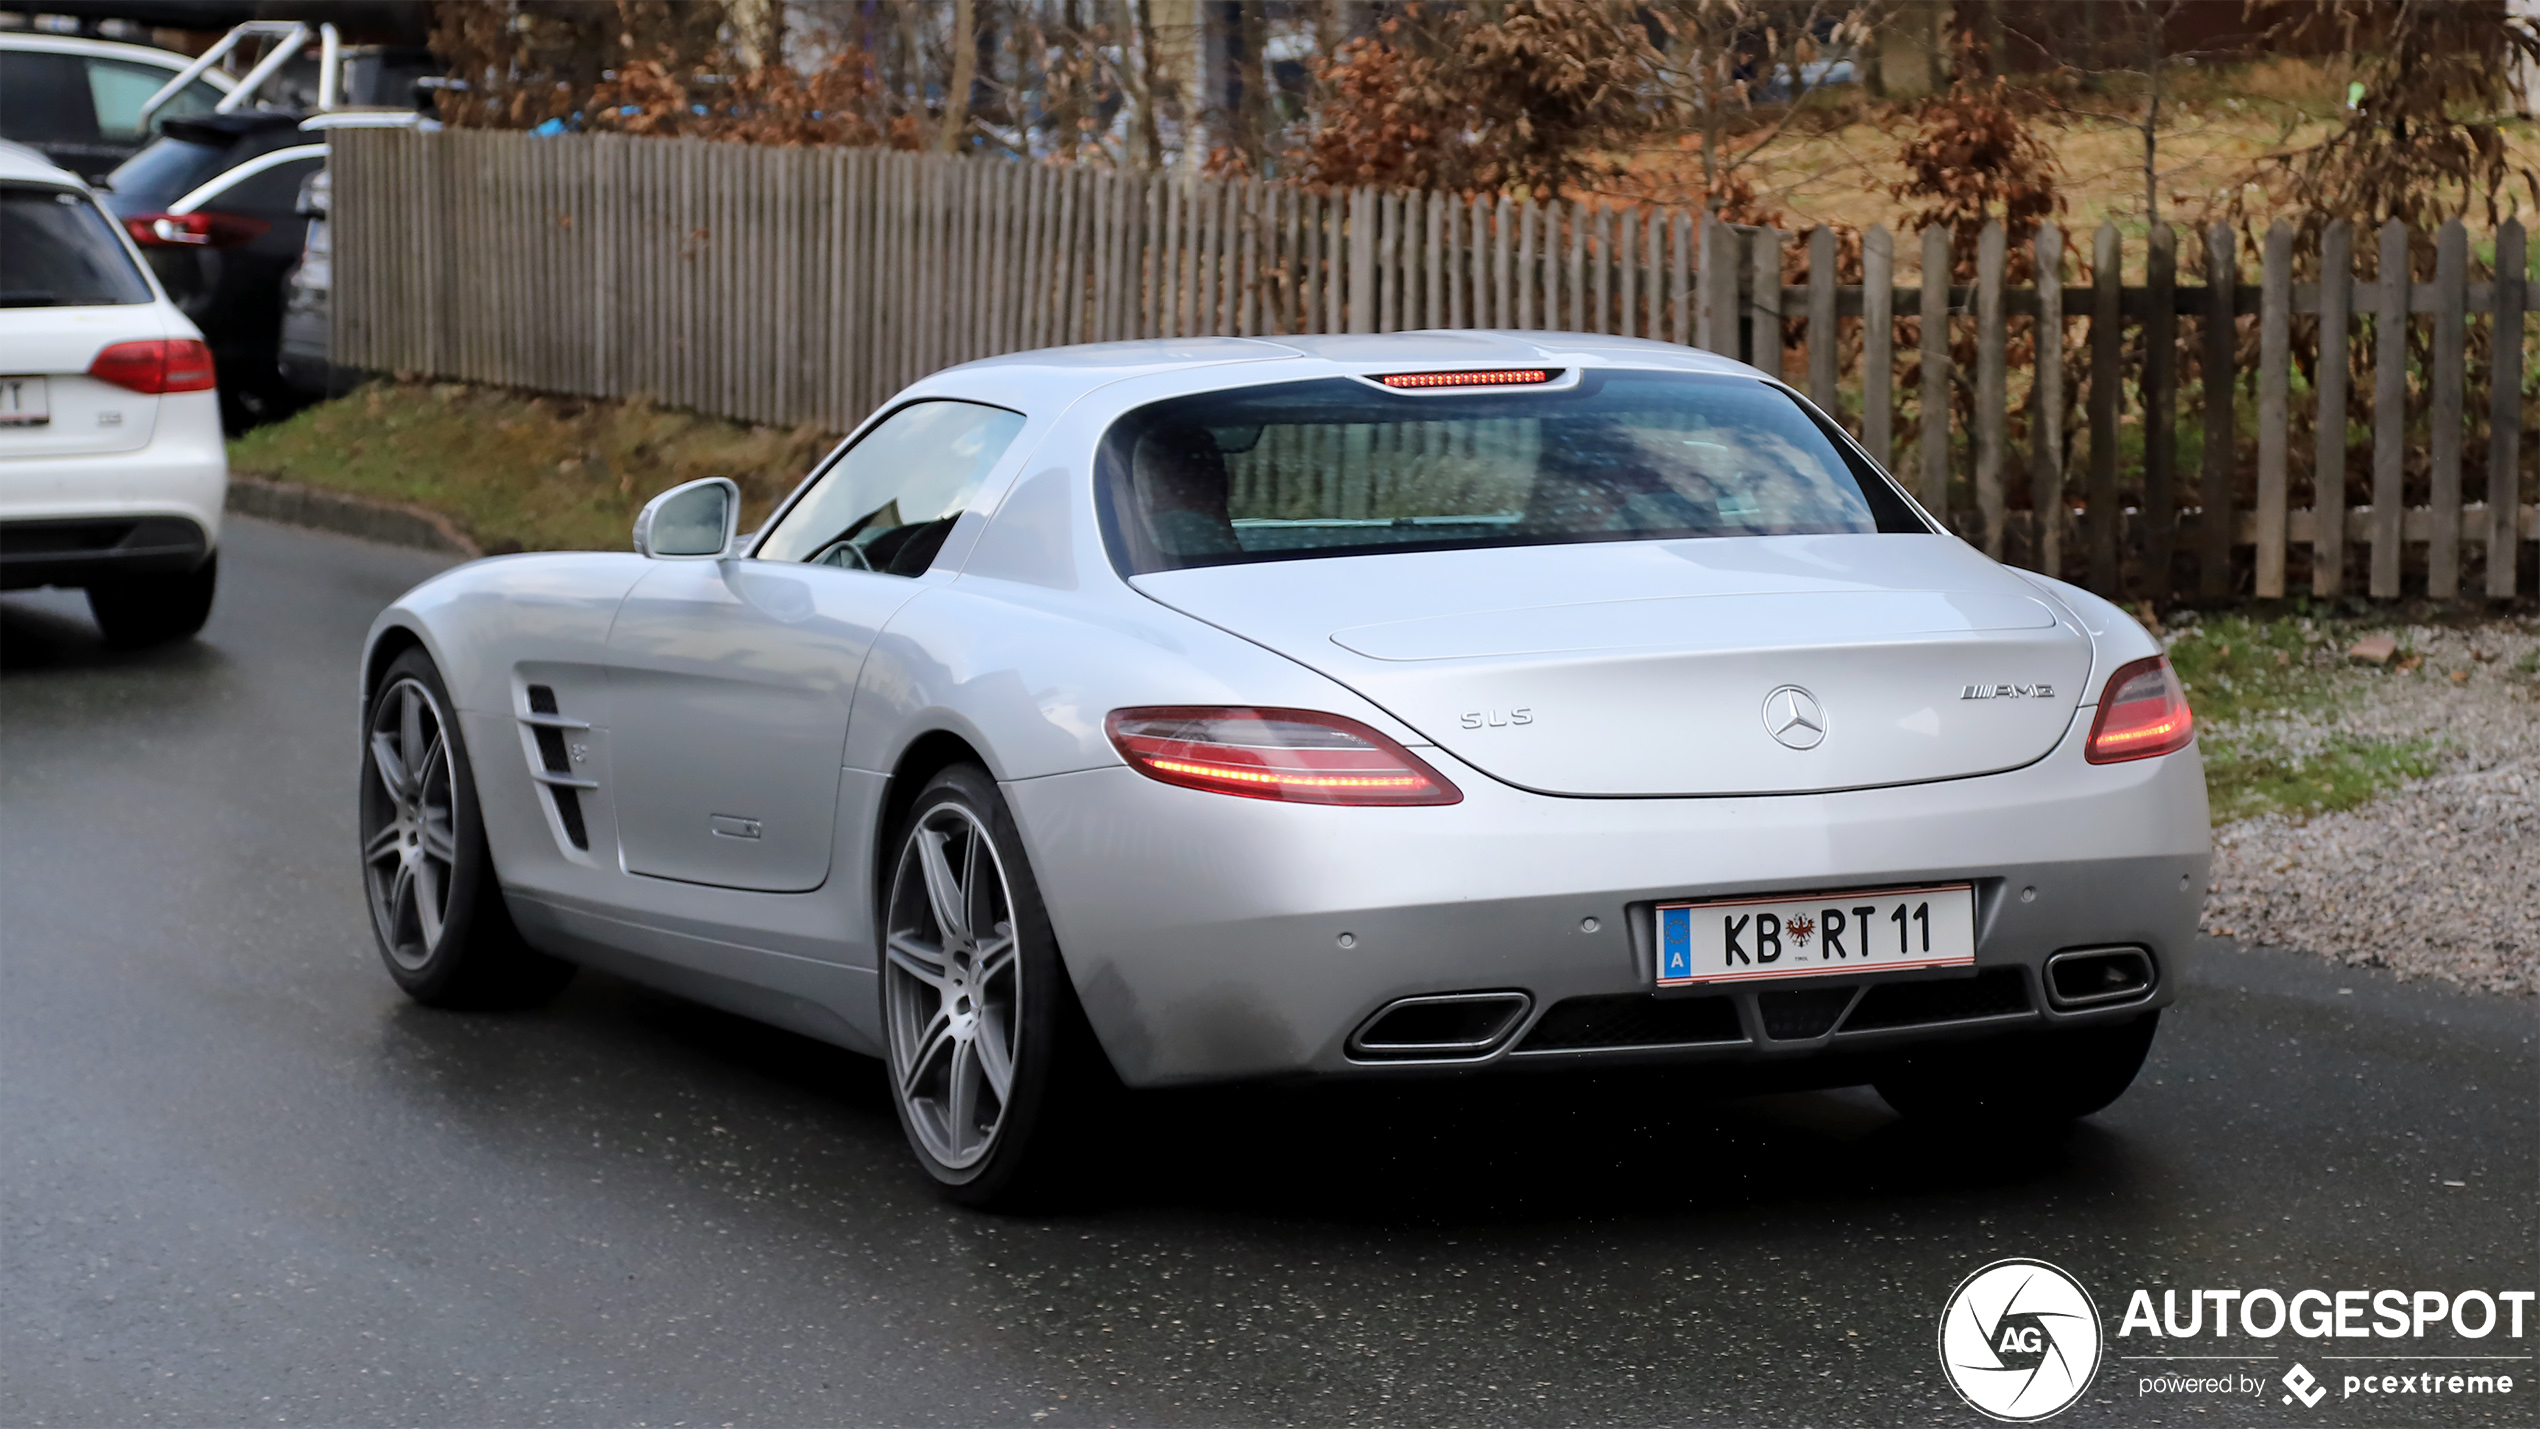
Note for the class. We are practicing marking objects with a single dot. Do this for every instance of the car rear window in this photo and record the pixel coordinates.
(165, 171)
(1341, 467)
(58, 251)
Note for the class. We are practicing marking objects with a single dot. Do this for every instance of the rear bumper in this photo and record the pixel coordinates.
(88, 551)
(1205, 933)
(79, 520)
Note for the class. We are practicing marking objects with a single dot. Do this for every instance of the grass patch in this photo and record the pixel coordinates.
(2267, 695)
(2244, 782)
(522, 472)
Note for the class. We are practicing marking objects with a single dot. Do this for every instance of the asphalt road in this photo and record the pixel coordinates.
(245, 1181)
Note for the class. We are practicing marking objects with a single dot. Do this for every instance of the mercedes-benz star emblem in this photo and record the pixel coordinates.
(1791, 715)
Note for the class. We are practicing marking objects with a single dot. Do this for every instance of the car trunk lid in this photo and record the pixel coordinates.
(48, 352)
(1761, 665)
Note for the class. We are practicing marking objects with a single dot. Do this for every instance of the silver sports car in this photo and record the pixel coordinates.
(1185, 711)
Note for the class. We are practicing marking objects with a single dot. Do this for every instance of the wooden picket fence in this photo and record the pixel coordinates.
(805, 286)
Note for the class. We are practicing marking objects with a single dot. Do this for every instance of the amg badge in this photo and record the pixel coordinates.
(2007, 692)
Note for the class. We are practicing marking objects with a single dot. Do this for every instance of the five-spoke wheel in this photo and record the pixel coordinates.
(409, 824)
(993, 1067)
(952, 985)
(435, 904)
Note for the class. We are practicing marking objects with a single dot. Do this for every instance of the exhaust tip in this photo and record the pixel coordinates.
(2094, 977)
(1446, 1025)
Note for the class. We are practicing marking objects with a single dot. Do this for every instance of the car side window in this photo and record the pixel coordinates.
(118, 89)
(890, 501)
(44, 99)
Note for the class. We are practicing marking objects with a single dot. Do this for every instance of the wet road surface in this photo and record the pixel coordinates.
(245, 1181)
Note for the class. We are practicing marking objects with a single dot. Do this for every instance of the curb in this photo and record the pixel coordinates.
(391, 522)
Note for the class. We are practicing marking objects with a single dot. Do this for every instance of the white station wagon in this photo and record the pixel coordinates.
(112, 467)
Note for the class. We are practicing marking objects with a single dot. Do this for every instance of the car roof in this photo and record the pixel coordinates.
(169, 60)
(1058, 376)
(21, 164)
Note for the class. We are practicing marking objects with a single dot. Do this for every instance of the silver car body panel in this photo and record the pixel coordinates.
(1205, 933)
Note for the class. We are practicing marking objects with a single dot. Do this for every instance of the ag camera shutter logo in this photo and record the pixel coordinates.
(2019, 1340)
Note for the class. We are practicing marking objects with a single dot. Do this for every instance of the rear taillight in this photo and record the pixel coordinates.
(194, 230)
(156, 365)
(2143, 712)
(1296, 756)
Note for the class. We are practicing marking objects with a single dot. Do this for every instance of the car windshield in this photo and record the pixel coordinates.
(58, 251)
(1341, 467)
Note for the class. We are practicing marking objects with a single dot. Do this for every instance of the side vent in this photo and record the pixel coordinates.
(549, 726)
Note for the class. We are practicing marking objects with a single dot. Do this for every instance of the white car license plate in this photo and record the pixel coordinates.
(1812, 934)
(25, 402)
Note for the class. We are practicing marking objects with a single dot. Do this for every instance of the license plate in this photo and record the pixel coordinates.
(1813, 934)
(25, 402)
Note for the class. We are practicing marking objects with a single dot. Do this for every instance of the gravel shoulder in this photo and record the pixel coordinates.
(2437, 877)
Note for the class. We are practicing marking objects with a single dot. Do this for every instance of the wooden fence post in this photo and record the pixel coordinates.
(1878, 345)
(2389, 409)
(1627, 273)
(2160, 410)
(2328, 435)
(2444, 416)
(2046, 407)
(1576, 319)
(1503, 274)
(1934, 374)
(2222, 427)
(2107, 358)
(1683, 255)
(1362, 258)
(2275, 359)
(1766, 340)
(1436, 259)
(1336, 251)
(2504, 414)
(1601, 280)
(1823, 347)
(1992, 386)
(1653, 248)
(1715, 316)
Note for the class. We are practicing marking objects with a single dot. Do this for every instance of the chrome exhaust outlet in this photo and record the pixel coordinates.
(1444, 1026)
(2095, 977)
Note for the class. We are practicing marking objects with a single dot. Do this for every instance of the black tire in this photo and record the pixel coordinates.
(1002, 970)
(153, 610)
(2029, 1081)
(436, 907)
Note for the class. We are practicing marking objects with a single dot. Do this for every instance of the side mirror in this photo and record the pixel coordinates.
(697, 521)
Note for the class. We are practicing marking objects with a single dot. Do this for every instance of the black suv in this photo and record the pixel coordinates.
(214, 204)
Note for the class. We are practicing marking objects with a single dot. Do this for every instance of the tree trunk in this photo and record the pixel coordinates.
(965, 72)
(1252, 72)
(1146, 144)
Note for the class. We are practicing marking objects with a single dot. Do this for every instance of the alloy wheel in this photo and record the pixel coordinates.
(952, 986)
(409, 822)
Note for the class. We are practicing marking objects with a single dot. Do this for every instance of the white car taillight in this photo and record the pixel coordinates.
(2143, 712)
(1295, 756)
(156, 365)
